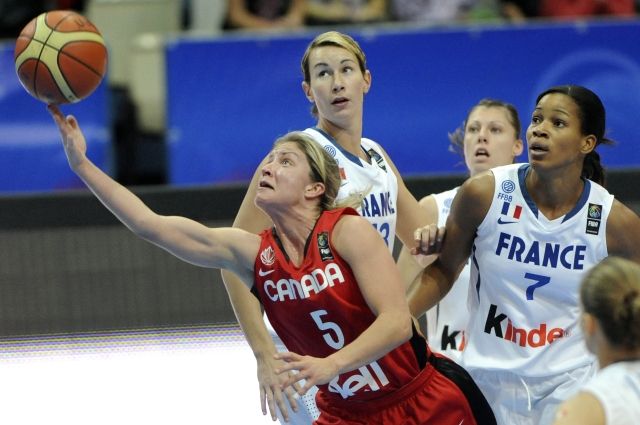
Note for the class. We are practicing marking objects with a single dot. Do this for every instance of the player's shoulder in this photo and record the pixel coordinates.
(623, 231)
(350, 224)
(480, 185)
(622, 216)
(369, 144)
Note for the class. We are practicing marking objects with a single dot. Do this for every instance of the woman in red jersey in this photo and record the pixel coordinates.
(327, 282)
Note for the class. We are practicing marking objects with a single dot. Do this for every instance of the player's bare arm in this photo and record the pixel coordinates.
(623, 232)
(412, 265)
(468, 210)
(184, 238)
(583, 409)
(411, 216)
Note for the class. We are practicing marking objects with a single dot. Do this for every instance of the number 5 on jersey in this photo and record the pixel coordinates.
(333, 335)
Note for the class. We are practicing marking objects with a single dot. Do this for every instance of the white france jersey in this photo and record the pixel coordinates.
(617, 387)
(526, 272)
(447, 321)
(377, 180)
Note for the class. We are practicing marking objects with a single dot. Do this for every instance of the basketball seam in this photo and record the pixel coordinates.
(90, 68)
(64, 77)
(44, 44)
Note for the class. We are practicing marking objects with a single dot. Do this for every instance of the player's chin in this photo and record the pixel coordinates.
(261, 200)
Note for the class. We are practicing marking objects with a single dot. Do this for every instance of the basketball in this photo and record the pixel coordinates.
(60, 57)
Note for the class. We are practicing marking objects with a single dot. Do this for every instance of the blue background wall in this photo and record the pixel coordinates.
(31, 156)
(231, 97)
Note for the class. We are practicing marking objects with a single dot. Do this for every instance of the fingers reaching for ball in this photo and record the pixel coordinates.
(73, 140)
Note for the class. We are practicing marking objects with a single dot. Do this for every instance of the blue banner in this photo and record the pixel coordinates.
(229, 98)
(32, 158)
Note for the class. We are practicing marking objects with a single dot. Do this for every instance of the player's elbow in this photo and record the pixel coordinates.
(146, 228)
(401, 326)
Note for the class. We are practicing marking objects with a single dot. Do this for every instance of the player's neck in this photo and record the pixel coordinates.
(349, 137)
(609, 356)
(554, 194)
(293, 229)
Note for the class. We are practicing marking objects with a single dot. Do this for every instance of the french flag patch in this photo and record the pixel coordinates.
(511, 210)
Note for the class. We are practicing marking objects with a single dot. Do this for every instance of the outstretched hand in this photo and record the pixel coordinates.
(315, 370)
(75, 145)
(272, 394)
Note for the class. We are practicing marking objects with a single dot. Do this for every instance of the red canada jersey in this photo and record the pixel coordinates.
(317, 308)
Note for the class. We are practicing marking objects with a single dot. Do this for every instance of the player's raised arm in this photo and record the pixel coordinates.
(186, 239)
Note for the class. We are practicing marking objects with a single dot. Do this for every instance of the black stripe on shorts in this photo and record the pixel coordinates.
(461, 378)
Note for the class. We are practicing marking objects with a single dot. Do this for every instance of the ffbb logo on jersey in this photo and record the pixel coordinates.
(537, 337)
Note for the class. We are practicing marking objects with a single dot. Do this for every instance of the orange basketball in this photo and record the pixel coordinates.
(60, 57)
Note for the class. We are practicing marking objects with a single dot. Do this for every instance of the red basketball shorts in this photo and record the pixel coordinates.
(442, 394)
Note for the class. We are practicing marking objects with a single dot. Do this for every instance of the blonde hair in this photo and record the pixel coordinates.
(337, 39)
(324, 169)
(611, 293)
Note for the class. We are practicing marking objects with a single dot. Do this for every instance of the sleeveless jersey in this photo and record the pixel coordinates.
(377, 180)
(617, 387)
(447, 321)
(317, 308)
(525, 272)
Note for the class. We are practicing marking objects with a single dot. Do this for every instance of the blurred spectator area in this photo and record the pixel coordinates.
(135, 31)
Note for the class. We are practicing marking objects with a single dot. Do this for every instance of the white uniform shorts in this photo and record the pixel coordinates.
(519, 400)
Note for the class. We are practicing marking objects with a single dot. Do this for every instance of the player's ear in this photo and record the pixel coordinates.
(315, 189)
(367, 81)
(306, 88)
(588, 144)
(589, 324)
(517, 148)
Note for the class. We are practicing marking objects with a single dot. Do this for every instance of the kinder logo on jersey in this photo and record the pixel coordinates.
(268, 256)
(449, 340)
(323, 246)
(534, 338)
(594, 217)
(309, 284)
